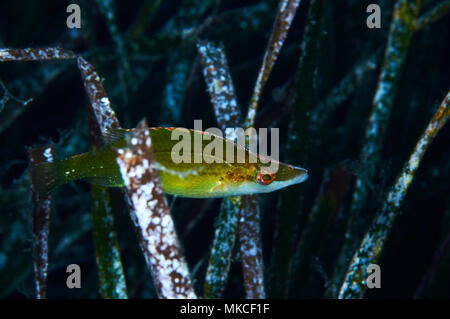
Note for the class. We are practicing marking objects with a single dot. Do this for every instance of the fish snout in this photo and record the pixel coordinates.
(301, 175)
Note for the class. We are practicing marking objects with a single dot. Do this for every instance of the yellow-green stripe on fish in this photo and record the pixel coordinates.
(182, 179)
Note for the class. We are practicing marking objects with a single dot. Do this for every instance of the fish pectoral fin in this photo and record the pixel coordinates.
(110, 136)
(219, 184)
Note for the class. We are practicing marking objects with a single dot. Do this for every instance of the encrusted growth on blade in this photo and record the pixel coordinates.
(35, 54)
(222, 248)
(41, 224)
(283, 20)
(155, 227)
(372, 245)
(106, 118)
(251, 248)
(219, 84)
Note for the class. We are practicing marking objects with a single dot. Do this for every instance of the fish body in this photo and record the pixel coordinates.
(199, 177)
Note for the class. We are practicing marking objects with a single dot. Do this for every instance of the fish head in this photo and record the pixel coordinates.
(266, 179)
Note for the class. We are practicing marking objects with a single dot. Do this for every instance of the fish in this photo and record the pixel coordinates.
(209, 178)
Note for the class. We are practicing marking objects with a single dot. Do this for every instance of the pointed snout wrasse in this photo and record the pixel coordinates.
(199, 180)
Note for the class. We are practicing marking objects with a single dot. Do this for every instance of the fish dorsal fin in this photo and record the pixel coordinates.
(113, 135)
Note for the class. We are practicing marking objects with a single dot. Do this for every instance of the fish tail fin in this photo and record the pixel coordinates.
(44, 175)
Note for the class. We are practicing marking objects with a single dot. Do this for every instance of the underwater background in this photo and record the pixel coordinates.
(320, 93)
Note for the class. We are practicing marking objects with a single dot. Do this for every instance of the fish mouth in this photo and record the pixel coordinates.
(295, 174)
(301, 175)
(286, 172)
(304, 176)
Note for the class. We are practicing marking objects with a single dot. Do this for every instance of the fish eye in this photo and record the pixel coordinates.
(265, 178)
